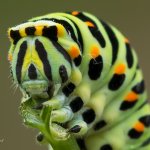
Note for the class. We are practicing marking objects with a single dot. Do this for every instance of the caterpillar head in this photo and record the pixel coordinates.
(40, 56)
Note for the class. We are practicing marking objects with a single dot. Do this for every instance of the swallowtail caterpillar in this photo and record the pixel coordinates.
(87, 71)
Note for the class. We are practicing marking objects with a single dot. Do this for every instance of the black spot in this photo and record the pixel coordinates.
(106, 147)
(50, 32)
(43, 56)
(129, 55)
(32, 72)
(76, 104)
(20, 60)
(100, 125)
(62, 51)
(81, 144)
(133, 134)
(68, 89)
(30, 30)
(125, 105)
(75, 129)
(40, 137)
(89, 116)
(146, 142)
(113, 39)
(15, 35)
(95, 68)
(116, 81)
(139, 88)
(78, 60)
(63, 73)
(145, 120)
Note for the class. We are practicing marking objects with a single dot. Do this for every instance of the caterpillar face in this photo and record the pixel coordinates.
(38, 61)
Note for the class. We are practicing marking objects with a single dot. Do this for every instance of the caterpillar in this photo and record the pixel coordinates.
(91, 72)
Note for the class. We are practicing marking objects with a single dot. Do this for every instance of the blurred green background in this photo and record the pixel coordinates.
(132, 17)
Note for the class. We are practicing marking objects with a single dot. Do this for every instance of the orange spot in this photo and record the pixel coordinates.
(38, 30)
(90, 24)
(120, 69)
(74, 52)
(126, 40)
(10, 57)
(75, 13)
(95, 52)
(139, 127)
(131, 97)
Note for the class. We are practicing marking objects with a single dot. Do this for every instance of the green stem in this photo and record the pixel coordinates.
(69, 144)
(41, 121)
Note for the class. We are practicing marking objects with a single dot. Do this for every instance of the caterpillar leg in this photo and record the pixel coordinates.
(64, 122)
(72, 124)
(57, 102)
(77, 126)
(62, 115)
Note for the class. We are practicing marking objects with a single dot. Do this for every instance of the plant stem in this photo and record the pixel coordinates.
(69, 144)
(41, 121)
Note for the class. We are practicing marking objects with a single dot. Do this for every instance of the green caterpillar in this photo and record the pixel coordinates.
(92, 74)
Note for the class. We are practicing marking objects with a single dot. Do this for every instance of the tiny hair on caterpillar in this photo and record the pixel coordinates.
(88, 72)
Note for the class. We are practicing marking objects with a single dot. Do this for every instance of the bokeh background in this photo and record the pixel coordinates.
(132, 17)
